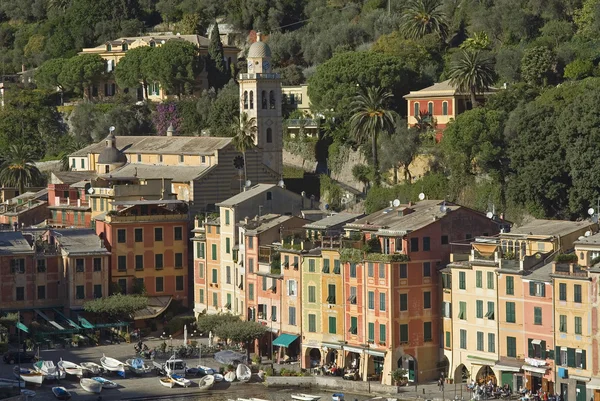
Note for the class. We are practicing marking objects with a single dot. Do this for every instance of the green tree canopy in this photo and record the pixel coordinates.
(218, 75)
(472, 72)
(117, 306)
(48, 74)
(538, 65)
(135, 68)
(18, 169)
(334, 84)
(177, 63)
(208, 323)
(421, 17)
(81, 72)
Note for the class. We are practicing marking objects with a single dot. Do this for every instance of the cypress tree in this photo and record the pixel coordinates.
(218, 75)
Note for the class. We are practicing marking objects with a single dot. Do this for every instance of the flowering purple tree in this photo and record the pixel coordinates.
(166, 114)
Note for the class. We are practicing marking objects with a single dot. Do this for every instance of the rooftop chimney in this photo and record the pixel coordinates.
(170, 130)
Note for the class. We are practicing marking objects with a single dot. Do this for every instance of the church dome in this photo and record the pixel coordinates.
(259, 50)
(110, 154)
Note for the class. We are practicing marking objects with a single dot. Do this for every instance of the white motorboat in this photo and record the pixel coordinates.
(230, 377)
(91, 386)
(49, 370)
(113, 365)
(243, 373)
(305, 397)
(61, 393)
(207, 370)
(70, 368)
(94, 368)
(105, 382)
(167, 382)
(218, 377)
(28, 375)
(206, 382)
(182, 381)
(137, 366)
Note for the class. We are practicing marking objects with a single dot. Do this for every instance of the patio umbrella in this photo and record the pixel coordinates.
(185, 334)
(210, 338)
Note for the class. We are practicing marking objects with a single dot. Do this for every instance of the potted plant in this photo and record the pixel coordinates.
(399, 376)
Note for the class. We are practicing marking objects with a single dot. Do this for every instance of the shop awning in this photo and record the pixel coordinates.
(373, 352)
(594, 384)
(85, 323)
(508, 368)
(21, 326)
(71, 323)
(481, 360)
(357, 350)
(332, 345)
(46, 318)
(534, 369)
(284, 340)
(536, 342)
(155, 306)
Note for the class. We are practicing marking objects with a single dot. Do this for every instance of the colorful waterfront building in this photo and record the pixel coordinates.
(291, 307)
(69, 199)
(148, 241)
(313, 303)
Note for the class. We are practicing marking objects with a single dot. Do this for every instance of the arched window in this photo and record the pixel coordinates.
(271, 99)
(264, 99)
(251, 100)
(269, 135)
(245, 100)
(444, 108)
(416, 109)
(124, 47)
(430, 108)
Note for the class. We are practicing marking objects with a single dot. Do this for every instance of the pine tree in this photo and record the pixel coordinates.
(218, 75)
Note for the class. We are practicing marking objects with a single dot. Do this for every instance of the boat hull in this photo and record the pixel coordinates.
(70, 368)
(113, 365)
(181, 381)
(230, 377)
(166, 382)
(206, 382)
(61, 393)
(91, 386)
(29, 376)
(305, 397)
(92, 367)
(243, 373)
(108, 384)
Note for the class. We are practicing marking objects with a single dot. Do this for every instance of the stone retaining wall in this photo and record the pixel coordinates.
(329, 383)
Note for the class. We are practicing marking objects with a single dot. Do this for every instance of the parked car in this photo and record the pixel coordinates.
(12, 357)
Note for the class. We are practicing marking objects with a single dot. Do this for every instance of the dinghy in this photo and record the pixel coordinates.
(113, 365)
(182, 381)
(49, 370)
(92, 367)
(29, 376)
(70, 368)
(91, 386)
(218, 377)
(230, 377)
(305, 397)
(105, 382)
(206, 382)
(207, 370)
(61, 393)
(243, 373)
(138, 366)
(167, 382)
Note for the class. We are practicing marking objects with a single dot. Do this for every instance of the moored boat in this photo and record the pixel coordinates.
(49, 370)
(92, 367)
(229, 377)
(113, 365)
(243, 373)
(182, 381)
(206, 382)
(28, 375)
(207, 370)
(167, 382)
(70, 368)
(105, 382)
(91, 386)
(138, 366)
(305, 397)
(218, 377)
(61, 393)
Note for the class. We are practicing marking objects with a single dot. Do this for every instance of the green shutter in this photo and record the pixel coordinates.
(557, 355)
(447, 339)
(583, 359)
(543, 347)
(371, 331)
(571, 357)
(478, 278)
(531, 288)
(530, 350)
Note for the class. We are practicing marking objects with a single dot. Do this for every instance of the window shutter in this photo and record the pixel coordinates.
(530, 351)
(557, 356)
(571, 357)
(543, 347)
(531, 288)
(583, 359)
(543, 289)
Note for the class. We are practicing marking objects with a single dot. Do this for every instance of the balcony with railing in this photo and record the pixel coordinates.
(70, 203)
(268, 75)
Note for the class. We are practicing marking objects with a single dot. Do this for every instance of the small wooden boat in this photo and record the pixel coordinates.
(207, 370)
(28, 393)
(49, 370)
(230, 377)
(61, 393)
(105, 382)
(243, 373)
(70, 368)
(182, 381)
(305, 397)
(167, 382)
(91, 386)
(218, 377)
(206, 382)
(113, 365)
(92, 367)
(138, 366)
(28, 375)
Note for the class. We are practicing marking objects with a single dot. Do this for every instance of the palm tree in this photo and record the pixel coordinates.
(422, 17)
(18, 168)
(472, 72)
(245, 135)
(370, 118)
